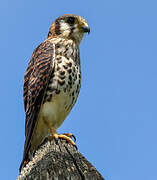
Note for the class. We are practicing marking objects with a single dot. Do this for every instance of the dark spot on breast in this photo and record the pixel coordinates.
(62, 73)
(60, 61)
(74, 69)
(58, 68)
(73, 93)
(57, 91)
(57, 46)
(70, 78)
(70, 83)
(65, 67)
(61, 82)
(66, 49)
(69, 71)
(69, 64)
(58, 58)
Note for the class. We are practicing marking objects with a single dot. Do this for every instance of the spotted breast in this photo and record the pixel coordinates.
(64, 85)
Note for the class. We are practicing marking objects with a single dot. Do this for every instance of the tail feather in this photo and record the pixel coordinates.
(27, 146)
(26, 158)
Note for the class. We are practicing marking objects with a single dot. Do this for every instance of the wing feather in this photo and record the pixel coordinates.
(36, 79)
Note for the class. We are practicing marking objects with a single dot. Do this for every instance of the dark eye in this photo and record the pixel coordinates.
(71, 20)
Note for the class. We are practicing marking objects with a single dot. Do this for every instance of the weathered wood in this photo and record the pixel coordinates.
(59, 160)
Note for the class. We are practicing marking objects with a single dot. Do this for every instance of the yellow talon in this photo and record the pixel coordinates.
(70, 135)
(66, 136)
(63, 136)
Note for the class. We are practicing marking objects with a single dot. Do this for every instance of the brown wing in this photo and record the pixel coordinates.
(36, 80)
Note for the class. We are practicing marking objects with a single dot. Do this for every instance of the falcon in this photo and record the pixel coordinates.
(52, 82)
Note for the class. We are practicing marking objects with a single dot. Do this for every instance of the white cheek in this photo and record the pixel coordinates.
(65, 29)
(64, 26)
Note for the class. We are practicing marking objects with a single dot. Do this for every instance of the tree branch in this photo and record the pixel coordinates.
(59, 160)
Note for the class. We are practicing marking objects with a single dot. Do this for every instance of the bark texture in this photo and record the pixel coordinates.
(59, 160)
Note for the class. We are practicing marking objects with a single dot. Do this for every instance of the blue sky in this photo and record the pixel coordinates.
(115, 117)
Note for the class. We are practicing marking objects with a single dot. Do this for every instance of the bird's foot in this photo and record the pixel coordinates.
(66, 136)
(70, 135)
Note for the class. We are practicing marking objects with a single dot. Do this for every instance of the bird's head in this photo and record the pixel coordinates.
(69, 26)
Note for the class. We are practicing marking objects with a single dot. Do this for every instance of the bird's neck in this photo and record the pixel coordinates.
(60, 39)
(67, 48)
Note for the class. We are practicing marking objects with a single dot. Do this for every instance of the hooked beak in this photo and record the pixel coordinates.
(85, 29)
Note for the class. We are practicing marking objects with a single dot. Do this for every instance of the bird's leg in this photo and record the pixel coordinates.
(66, 136)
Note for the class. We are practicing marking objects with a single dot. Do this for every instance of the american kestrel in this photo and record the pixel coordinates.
(52, 82)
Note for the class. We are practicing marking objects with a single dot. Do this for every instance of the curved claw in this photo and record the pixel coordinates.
(74, 138)
(66, 136)
(70, 135)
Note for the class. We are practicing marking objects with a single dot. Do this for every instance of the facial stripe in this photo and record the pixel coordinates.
(57, 28)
